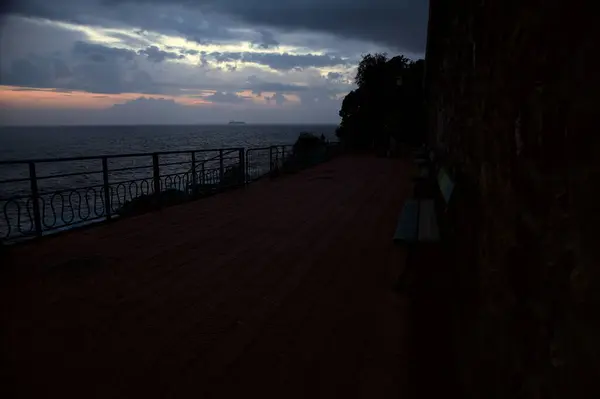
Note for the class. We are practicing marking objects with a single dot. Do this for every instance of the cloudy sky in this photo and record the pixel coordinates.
(193, 61)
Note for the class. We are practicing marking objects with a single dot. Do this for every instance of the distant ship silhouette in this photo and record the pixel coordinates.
(237, 123)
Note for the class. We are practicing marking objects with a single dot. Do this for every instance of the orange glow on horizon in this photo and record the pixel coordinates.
(44, 98)
(19, 97)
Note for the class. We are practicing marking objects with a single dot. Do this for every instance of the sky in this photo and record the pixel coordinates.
(77, 62)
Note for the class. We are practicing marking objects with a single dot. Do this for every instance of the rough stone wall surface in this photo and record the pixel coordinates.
(513, 93)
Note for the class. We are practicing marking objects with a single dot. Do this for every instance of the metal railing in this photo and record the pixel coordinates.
(264, 160)
(40, 196)
(221, 170)
(44, 195)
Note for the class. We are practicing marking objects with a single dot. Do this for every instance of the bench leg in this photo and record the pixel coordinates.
(405, 279)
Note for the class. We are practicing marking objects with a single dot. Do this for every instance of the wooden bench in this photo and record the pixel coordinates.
(418, 220)
(424, 162)
(418, 223)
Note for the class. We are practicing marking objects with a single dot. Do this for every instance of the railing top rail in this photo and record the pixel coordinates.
(226, 151)
(129, 155)
(139, 154)
(269, 147)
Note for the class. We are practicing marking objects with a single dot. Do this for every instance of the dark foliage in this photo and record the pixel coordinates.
(308, 150)
(389, 102)
(146, 203)
(3, 249)
(233, 176)
(308, 143)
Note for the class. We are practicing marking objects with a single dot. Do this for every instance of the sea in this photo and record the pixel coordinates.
(25, 142)
(70, 192)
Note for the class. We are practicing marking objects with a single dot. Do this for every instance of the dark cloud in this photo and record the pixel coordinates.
(61, 70)
(226, 56)
(91, 67)
(25, 89)
(334, 76)
(140, 81)
(146, 103)
(35, 71)
(280, 61)
(258, 86)
(100, 53)
(400, 24)
(155, 54)
(395, 23)
(102, 69)
(150, 111)
(180, 18)
(111, 79)
(98, 78)
(287, 61)
(21, 37)
(97, 57)
(266, 40)
(223, 97)
(203, 59)
(320, 96)
(24, 72)
(130, 40)
(277, 98)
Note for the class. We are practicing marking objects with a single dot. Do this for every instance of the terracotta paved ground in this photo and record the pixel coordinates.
(280, 290)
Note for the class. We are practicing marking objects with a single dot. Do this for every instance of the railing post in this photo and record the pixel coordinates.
(203, 175)
(37, 220)
(242, 167)
(247, 174)
(270, 159)
(156, 176)
(107, 196)
(221, 168)
(194, 179)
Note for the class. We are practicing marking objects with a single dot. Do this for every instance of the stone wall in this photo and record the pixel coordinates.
(513, 94)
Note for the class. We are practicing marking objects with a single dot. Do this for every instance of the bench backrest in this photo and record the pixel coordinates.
(446, 185)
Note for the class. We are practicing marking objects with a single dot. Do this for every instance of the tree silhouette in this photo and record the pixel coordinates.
(389, 102)
(371, 70)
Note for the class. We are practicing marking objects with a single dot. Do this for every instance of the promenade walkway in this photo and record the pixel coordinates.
(279, 290)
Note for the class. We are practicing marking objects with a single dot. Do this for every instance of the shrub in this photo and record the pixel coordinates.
(146, 203)
(307, 151)
(307, 143)
(233, 176)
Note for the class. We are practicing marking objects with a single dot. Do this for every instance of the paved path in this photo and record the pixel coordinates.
(280, 290)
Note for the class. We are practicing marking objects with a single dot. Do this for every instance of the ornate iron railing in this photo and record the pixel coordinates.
(41, 196)
(44, 195)
(264, 160)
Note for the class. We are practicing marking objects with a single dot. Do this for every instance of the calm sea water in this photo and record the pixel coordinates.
(72, 141)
